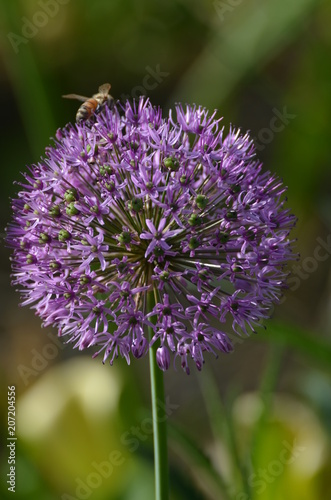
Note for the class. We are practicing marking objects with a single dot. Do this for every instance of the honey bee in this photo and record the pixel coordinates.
(92, 104)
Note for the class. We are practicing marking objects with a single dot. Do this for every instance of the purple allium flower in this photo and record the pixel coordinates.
(130, 203)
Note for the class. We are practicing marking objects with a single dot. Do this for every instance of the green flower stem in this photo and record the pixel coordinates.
(159, 425)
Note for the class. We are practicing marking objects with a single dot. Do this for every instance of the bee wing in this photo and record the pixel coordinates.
(76, 96)
(105, 88)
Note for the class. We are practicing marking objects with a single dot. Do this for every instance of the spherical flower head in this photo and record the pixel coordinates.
(130, 206)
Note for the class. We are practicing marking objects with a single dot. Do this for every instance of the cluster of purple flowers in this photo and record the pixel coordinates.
(130, 209)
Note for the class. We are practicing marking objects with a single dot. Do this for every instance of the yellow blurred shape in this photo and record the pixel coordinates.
(95, 387)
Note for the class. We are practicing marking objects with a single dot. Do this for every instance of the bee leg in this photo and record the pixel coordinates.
(98, 108)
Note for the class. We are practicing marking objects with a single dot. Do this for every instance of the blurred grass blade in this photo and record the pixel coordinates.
(222, 425)
(305, 342)
(27, 83)
(246, 34)
(267, 388)
(189, 450)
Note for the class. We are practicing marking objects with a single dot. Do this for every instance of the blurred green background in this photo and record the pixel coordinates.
(255, 424)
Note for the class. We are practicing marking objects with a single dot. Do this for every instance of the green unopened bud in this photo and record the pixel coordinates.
(136, 205)
(235, 188)
(110, 186)
(195, 220)
(84, 280)
(164, 276)
(44, 238)
(30, 259)
(171, 163)
(224, 237)
(64, 235)
(236, 268)
(38, 184)
(71, 209)
(193, 243)
(124, 238)
(55, 266)
(201, 201)
(109, 169)
(70, 195)
(55, 211)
